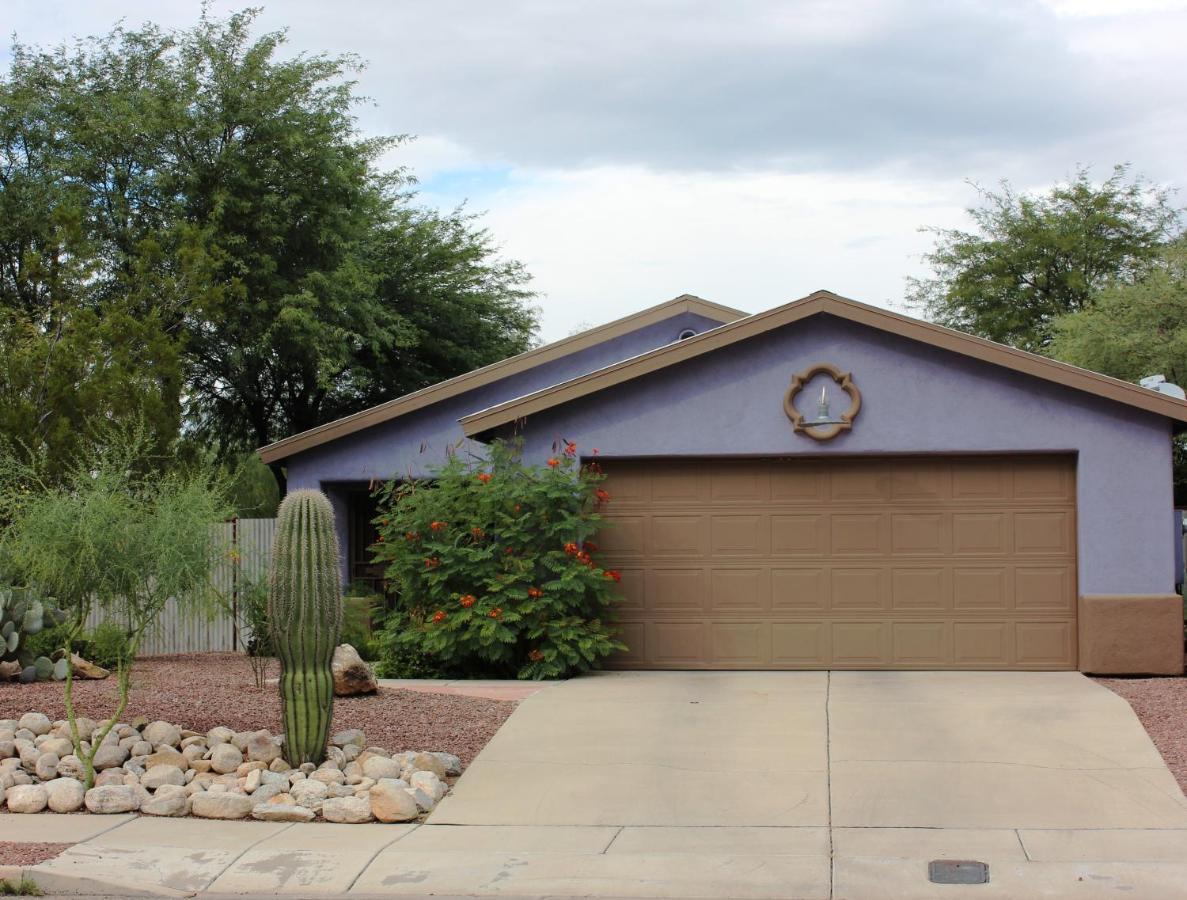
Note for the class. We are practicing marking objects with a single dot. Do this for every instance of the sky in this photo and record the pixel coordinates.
(748, 152)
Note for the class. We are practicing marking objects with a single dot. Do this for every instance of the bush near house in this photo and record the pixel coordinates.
(493, 568)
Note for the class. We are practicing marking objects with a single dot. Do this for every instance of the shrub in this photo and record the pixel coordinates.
(108, 645)
(359, 610)
(493, 567)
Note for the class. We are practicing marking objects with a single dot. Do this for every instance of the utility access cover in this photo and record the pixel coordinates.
(957, 871)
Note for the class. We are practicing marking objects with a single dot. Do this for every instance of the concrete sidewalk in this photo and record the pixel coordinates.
(721, 785)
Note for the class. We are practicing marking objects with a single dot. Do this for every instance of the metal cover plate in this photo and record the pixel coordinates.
(957, 871)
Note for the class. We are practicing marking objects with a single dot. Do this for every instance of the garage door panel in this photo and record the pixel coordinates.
(796, 589)
(904, 562)
(740, 589)
(676, 590)
(802, 534)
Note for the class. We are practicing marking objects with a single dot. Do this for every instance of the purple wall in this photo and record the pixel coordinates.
(915, 398)
(412, 445)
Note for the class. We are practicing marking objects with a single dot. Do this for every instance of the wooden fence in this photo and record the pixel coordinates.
(248, 544)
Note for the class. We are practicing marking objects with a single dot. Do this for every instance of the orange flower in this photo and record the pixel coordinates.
(484, 477)
(477, 532)
(438, 526)
(570, 448)
(517, 507)
(570, 548)
(412, 535)
(535, 656)
(467, 600)
(380, 539)
(535, 593)
(584, 557)
(553, 462)
(385, 522)
(596, 451)
(495, 613)
(431, 562)
(602, 495)
(612, 575)
(439, 616)
(591, 546)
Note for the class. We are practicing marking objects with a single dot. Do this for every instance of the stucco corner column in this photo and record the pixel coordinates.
(1131, 634)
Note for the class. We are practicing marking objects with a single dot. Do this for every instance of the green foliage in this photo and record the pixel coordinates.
(111, 533)
(305, 614)
(253, 491)
(194, 213)
(1035, 258)
(26, 887)
(108, 645)
(397, 657)
(1133, 330)
(25, 615)
(494, 566)
(360, 608)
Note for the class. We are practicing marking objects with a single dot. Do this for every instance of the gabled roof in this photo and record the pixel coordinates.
(825, 302)
(385, 412)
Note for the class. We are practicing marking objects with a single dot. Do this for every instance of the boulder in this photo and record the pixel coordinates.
(262, 748)
(281, 812)
(157, 733)
(47, 766)
(327, 775)
(350, 810)
(453, 765)
(38, 723)
(161, 775)
(60, 746)
(427, 762)
(378, 767)
(390, 801)
(109, 777)
(109, 756)
(10, 670)
(26, 798)
(70, 766)
(350, 736)
(167, 756)
(225, 758)
(84, 669)
(222, 805)
(165, 805)
(309, 793)
(65, 795)
(112, 798)
(423, 800)
(351, 675)
(430, 784)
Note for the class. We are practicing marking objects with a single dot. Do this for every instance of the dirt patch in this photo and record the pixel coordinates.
(1161, 705)
(202, 690)
(17, 854)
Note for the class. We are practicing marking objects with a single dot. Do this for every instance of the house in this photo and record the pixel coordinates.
(825, 485)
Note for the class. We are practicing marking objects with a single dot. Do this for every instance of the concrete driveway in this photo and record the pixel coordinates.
(813, 784)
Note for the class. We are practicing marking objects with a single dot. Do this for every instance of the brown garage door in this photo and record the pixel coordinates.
(891, 563)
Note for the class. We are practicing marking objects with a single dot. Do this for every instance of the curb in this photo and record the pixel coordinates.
(52, 882)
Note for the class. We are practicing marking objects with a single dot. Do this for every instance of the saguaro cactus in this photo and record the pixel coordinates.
(305, 616)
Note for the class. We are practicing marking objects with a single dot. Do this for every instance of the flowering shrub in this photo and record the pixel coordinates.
(492, 567)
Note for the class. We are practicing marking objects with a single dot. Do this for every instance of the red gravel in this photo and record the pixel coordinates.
(14, 854)
(202, 690)
(1161, 705)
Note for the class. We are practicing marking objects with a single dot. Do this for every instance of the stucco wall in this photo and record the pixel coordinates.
(412, 445)
(916, 398)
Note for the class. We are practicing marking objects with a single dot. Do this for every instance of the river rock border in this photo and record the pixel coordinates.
(161, 769)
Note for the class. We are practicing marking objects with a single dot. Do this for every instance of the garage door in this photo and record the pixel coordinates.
(891, 563)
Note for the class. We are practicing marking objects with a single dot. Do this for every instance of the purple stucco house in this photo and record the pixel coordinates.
(823, 485)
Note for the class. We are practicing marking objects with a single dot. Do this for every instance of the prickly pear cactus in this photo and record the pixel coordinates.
(305, 615)
(22, 613)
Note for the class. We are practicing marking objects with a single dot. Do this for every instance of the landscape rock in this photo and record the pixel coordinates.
(348, 737)
(350, 810)
(378, 767)
(262, 748)
(167, 756)
(70, 766)
(225, 758)
(38, 723)
(157, 733)
(111, 798)
(430, 784)
(60, 746)
(108, 756)
(309, 793)
(165, 805)
(351, 675)
(453, 765)
(162, 775)
(427, 762)
(26, 798)
(281, 812)
(423, 800)
(222, 805)
(109, 777)
(84, 669)
(65, 795)
(47, 766)
(390, 801)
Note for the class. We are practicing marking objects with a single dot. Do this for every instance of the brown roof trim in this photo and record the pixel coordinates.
(487, 420)
(513, 365)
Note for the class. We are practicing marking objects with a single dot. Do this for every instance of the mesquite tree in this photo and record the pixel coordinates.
(305, 615)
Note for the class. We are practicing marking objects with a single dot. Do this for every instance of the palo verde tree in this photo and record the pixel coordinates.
(114, 534)
(1033, 258)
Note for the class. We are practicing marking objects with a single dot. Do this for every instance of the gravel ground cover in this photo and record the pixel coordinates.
(13, 853)
(1161, 705)
(202, 690)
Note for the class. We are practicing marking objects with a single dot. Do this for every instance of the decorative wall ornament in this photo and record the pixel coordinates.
(823, 426)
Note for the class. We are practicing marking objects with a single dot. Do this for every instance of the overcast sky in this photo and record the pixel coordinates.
(748, 151)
